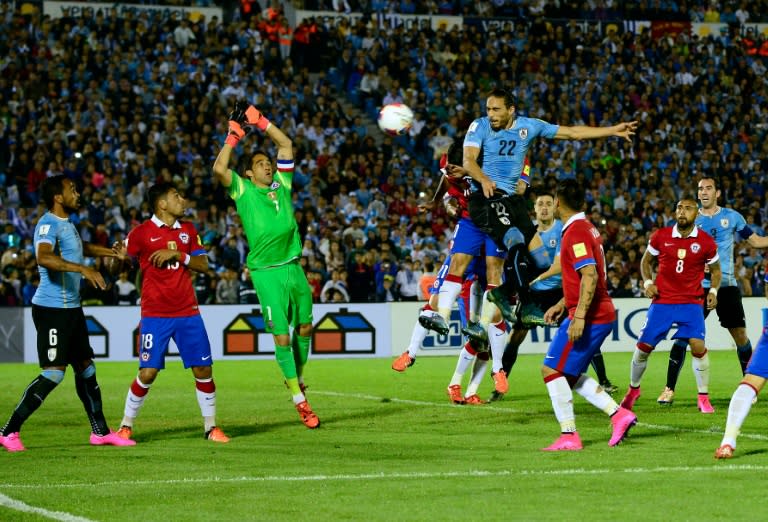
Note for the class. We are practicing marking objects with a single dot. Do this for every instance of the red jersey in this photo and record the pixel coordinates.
(582, 246)
(166, 291)
(459, 188)
(681, 264)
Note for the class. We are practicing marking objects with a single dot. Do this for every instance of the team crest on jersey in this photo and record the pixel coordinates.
(51, 354)
(695, 248)
(681, 253)
(552, 243)
(275, 185)
(724, 222)
(44, 229)
(523, 133)
(172, 245)
(184, 237)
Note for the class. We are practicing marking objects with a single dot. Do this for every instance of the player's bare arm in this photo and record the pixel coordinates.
(554, 269)
(48, 259)
(756, 241)
(717, 274)
(646, 272)
(283, 142)
(582, 132)
(160, 257)
(442, 187)
(473, 169)
(586, 294)
(221, 165)
(555, 312)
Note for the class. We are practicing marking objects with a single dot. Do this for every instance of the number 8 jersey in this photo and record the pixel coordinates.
(681, 264)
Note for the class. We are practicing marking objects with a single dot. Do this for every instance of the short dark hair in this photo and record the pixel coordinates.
(157, 192)
(456, 153)
(246, 160)
(571, 194)
(713, 177)
(509, 98)
(688, 197)
(52, 187)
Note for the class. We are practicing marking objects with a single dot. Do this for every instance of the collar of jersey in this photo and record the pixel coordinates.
(160, 224)
(676, 233)
(577, 215)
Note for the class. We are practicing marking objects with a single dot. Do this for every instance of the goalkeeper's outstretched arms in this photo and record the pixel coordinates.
(242, 118)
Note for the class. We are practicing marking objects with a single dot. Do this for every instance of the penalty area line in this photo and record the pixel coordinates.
(378, 476)
(18, 505)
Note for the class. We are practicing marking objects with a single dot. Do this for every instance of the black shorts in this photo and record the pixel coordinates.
(545, 299)
(729, 309)
(62, 336)
(496, 215)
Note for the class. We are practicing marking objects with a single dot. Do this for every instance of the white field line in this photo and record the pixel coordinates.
(383, 476)
(17, 505)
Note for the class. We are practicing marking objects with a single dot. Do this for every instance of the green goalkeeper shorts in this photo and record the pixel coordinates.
(285, 297)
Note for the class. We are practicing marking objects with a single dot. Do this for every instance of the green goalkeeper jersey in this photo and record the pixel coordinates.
(267, 215)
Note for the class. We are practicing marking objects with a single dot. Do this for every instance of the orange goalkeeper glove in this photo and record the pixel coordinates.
(256, 118)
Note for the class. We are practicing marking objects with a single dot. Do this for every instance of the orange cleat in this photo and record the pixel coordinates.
(500, 381)
(403, 362)
(125, 432)
(724, 452)
(215, 434)
(454, 393)
(308, 417)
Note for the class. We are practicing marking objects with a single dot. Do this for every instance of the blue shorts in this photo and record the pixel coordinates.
(758, 364)
(574, 358)
(468, 239)
(661, 317)
(187, 332)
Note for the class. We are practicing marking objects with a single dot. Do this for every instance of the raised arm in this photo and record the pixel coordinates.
(581, 132)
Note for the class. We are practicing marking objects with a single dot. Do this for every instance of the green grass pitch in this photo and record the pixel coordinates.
(390, 447)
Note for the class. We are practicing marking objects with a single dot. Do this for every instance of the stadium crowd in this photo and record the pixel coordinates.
(118, 102)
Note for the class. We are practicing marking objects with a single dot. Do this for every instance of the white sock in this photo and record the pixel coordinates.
(298, 398)
(449, 291)
(738, 409)
(588, 388)
(478, 372)
(637, 367)
(701, 372)
(488, 310)
(475, 301)
(207, 402)
(497, 339)
(562, 403)
(462, 365)
(134, 402)
(417, 337)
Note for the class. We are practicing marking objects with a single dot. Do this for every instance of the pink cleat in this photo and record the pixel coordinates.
(704, 405)
(12, 442)
(110, 439)
(628, 402)
(724, 452)
(566, 442)
(622, 421)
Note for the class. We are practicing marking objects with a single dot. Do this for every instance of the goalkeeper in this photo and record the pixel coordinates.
(263, 200)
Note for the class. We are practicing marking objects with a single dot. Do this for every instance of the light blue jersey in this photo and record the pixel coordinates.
(502, 152)
(724, 227)
(59, 289)
(551, 239)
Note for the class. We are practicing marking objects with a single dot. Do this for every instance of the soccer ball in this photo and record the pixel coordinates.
(395, 119)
